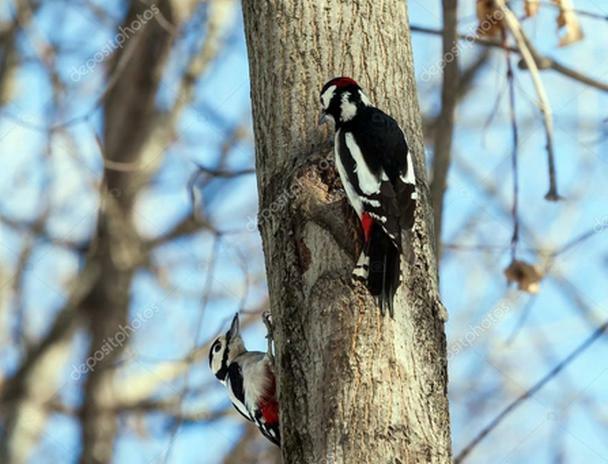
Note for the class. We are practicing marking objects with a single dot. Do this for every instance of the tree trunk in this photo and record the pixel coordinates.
(353, 387)
(444, 131)
(129, 123)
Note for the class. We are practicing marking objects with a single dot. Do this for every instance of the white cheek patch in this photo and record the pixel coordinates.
(327, 96)
(347, 108)
(368, 182)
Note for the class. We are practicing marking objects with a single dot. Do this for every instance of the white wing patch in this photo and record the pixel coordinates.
(409, 177)
(379, 218)
(353, 197)
(371, 201)
(327, 96)
(237, 403)
(364, 98)
(360, 273)
(368, 182)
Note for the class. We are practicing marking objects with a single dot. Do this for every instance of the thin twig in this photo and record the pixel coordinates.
(199, 325)
(558, 251)
(588, 14)
(531, 391)
(514, 150)
(543, 62)
(577, 240)
(113, 79)
(543, 101)
(228, 173)
(523, 317)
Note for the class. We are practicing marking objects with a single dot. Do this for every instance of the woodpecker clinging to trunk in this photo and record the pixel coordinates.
(377, 173)
(249, 378)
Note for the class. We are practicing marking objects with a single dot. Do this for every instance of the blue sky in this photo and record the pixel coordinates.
(484, 377)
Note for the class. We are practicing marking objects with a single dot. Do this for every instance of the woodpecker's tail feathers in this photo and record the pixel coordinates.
(378, 268)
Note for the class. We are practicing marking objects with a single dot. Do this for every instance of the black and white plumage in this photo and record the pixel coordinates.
(249, 378)
(376, 170)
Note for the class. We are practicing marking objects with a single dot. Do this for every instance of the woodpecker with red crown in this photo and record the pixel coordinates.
(376, 170)
(249, 378)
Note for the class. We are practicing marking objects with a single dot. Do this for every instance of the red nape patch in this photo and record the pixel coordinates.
(367, 223)
(341, 82)
(270, 411)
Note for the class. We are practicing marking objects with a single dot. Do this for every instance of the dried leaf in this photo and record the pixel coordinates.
(531, 7)
(568, 22)
(491, 18)
(526, 276)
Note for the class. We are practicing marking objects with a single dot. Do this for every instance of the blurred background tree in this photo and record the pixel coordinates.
(128, 225)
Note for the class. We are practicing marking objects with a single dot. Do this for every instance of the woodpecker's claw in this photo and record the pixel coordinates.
(267, 318)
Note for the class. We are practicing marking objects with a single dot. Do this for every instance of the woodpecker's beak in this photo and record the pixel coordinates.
(323, 118)
(234, 327)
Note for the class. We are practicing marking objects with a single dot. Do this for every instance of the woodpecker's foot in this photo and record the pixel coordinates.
(267, 318)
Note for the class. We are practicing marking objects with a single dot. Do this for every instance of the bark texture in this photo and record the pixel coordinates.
(354, 387)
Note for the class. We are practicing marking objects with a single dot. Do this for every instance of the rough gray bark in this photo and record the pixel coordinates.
(354, 387)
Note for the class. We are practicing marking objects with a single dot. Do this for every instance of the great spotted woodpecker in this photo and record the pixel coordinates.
(376, 170)
(249, 378)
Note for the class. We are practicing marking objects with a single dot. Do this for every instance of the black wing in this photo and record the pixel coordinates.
(384, 147)
(235, 387)
(270, 431)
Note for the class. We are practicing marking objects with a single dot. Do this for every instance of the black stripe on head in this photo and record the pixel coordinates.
(236, 382)
(223, 372)
(214, 345)
(232, 332)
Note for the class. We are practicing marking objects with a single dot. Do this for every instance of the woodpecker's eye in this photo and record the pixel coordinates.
(217, 348)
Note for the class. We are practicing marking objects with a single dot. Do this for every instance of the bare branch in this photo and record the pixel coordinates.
(514, 156)
(445, 124)
(530, 392)
(524, 47)
(542, 62)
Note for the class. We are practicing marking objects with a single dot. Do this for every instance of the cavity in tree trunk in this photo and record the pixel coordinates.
(354, 387)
